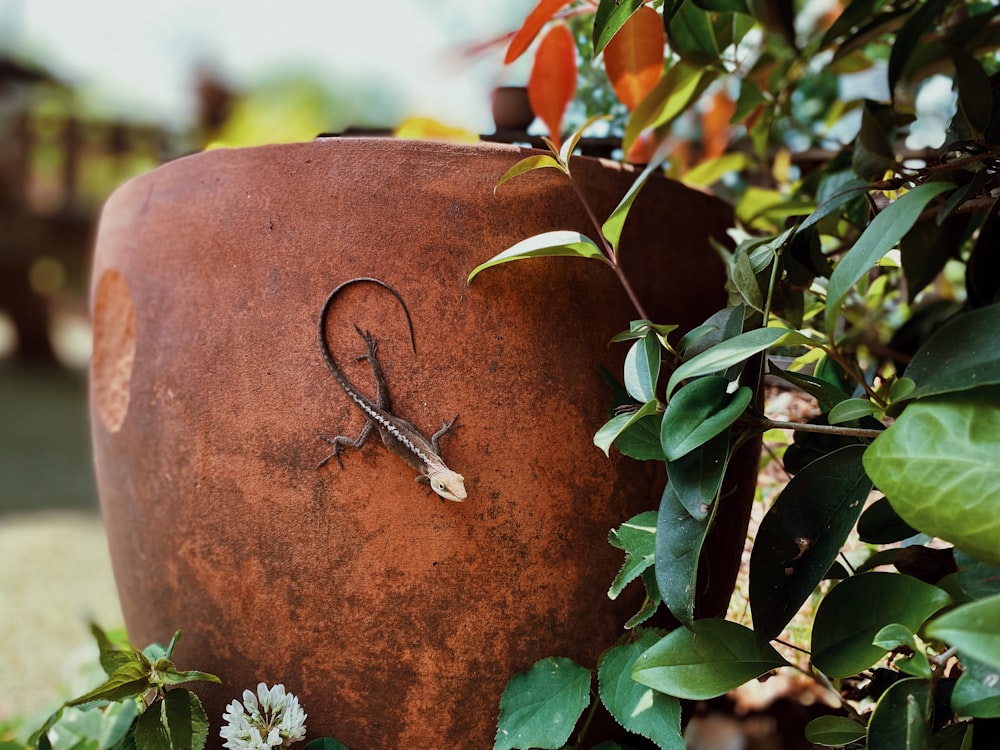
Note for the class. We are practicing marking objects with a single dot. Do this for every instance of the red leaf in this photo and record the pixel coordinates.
(634, 56)
(553, 79)
(540, 16)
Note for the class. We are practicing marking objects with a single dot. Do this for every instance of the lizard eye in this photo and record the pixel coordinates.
(440, 485)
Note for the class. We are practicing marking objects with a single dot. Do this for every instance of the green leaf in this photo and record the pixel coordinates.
(637, 707)
(325, 743)
(938, 466)
(706, 661)
(834, 731)
(801, 535)
(668, 99)
(540, 707)
(826, 394)
(171, 676)
(972, 629)
(977, 579)
(642, 368)
(698, 412)
(856, 609)
(691, 35)
(878, 238)
(116, 722)
(610, 17)
(637, 537)
(709, 172)
(960, 355)
(679, 539)
(150, 731)
(112, 655)
(850, 410)
(733, 351)
(977, 692)
(547, 244)
(612, 228)
(614, 427)
(901, 718)
(846, 192)
(880, 524)
(129, 681)
(908, 38)
(697, 476)
(529, 163)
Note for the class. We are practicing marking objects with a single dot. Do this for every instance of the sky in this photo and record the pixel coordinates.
(138, 56)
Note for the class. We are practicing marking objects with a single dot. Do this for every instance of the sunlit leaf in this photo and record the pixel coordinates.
(552, 82)
(972, 629)
(879, 237)
(667, 100)
(529, 163)
(706, 661)
(611, 16)
(938, 466)
(541, 15)
(709, 172)
(633, 59)
(547, 244)
(540, 707)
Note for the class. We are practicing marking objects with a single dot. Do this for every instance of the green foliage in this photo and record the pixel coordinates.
(140, 707)
(872, 264)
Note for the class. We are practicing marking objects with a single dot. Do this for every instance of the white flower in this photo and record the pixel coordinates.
(272, 718)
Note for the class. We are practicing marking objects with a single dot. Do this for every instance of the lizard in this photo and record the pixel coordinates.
(400, 436)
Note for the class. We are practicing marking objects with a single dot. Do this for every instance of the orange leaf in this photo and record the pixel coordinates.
(715, 128)
(634, 56)
(540, 16)
(553, 79)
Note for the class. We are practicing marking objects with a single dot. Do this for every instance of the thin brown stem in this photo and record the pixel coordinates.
(763, 423)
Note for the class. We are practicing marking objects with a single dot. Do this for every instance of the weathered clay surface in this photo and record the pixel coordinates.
(395, 616)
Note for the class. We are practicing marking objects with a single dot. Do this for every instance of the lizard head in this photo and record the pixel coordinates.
(448, 484)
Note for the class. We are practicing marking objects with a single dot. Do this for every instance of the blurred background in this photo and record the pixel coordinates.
(92, 93)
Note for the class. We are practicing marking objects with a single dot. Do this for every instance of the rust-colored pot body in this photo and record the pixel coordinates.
(395, 616)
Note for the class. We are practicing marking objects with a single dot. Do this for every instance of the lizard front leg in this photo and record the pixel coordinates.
(446, 427)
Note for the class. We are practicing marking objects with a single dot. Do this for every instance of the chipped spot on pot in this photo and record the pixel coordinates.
(114, 349)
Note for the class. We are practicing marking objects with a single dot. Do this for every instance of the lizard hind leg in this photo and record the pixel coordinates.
(342, 440)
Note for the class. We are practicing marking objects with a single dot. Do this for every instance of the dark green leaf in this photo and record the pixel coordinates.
(679, 538)
(698, 412)
(801, 535)
(938, 466)
(642, 368)
(614, 427)
(977, 692)
(150, 731)
(691, 35)
(847, 192)
(960, 355)
(879, 237)
(547, 244)
(923, 251)
(610, 17)
(857, 608)
(972, 629)
(826, 394)
(909, 37)
(641, 440)
(745, 280)
(901, 718)
(697, 476)
(540, 707)
(706, 661)
(873, 149)
(854, 14)
(325, 743)
(651, 602)
(637, 537)
(834, 731)
(977, 579)
(982, 272)
(880, 524)
(637, 707)
(129, 681)
(723, 6)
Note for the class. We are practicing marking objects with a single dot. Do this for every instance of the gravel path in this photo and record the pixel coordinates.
(55, 578)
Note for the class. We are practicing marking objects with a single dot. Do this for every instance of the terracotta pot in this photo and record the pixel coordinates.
(396, 617)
